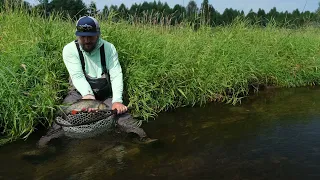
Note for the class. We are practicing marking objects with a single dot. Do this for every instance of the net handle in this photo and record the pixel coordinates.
(112, 112)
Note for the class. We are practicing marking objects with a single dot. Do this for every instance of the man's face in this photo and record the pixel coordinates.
(88, 43)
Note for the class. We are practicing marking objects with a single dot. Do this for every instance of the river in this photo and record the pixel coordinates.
(273, 134)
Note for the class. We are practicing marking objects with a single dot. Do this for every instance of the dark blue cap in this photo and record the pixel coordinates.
(87, 26)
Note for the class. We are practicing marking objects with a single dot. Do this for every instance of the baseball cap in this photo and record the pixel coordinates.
(87, 26)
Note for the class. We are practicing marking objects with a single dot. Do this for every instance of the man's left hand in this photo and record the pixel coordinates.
(120, 107)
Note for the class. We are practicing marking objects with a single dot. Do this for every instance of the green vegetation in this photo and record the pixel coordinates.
(164, 66)
(191, 12)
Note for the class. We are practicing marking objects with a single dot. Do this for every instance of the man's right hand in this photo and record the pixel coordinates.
(88, 96)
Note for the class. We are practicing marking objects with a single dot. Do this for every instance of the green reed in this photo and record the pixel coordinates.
(164, 67)
(169, 67)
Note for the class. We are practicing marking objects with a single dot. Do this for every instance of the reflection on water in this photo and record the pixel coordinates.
(271, 135)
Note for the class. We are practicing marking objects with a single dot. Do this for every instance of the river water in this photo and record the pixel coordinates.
(274, 134)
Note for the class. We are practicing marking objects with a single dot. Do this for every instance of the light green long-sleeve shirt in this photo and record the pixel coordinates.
(93, 68)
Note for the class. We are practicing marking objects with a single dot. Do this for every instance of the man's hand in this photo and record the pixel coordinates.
(88, 96)
(120, 107)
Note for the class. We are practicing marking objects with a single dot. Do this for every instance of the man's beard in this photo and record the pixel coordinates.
(88, 47)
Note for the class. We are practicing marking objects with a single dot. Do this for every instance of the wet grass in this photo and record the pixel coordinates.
(164, 67)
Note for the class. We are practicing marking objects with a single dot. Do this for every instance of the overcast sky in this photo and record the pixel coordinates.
(220, 5)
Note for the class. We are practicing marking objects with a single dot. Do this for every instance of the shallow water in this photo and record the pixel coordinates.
(274, 134)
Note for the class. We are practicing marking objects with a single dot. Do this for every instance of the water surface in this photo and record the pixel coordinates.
(271, 135)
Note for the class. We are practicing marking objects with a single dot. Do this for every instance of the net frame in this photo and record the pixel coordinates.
(87, 124)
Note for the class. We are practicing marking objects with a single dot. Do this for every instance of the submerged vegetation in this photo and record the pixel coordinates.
(164, 66)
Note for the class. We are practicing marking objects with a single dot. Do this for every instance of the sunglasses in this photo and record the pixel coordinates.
(86, 28)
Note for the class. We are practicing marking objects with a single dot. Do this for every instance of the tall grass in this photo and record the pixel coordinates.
(176, 66)
(164, 67)
(31, 73)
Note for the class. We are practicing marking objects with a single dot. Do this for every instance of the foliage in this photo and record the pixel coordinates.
(164, 67)
(206, 14)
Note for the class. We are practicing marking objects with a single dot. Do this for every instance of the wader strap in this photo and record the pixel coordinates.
(102, 56)
(103, 64)
(103, 60)
(81, 56)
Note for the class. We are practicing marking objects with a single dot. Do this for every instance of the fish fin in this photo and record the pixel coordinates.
(73, 112)
(84, 109)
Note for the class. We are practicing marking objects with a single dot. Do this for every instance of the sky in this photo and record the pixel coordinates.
(221, 5)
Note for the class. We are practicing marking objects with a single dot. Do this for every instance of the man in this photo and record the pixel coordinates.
(93, 66)
(95, 73)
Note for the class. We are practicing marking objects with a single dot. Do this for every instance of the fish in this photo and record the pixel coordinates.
(85, 105)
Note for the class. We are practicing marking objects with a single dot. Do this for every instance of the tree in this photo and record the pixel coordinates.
(204, 11)
(215, 17)
(159, 12)
(252, 16)
(43, 8)
(123, 11)
(192, 10)
(145, 8)
(15, 4)
(105, 11)
(296, 17)
(44, 5)
(113, 8)
(165, 9)
(273, 14)
(73, 8)
(134, 9)
(92, 10)
(229, 15)
(43, 2)
(179, 14)
(1, 4)
(261, 15)
(318, 9)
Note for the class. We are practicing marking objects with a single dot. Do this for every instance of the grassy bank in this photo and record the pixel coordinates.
(164, 67)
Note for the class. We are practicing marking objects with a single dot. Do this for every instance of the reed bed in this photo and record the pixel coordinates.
(164, 67)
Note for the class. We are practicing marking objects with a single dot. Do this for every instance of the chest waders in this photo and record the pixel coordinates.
(101, 87)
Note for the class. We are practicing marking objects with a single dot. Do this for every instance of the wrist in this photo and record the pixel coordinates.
(117, 100)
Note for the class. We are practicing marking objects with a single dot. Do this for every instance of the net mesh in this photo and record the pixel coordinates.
(86, 124)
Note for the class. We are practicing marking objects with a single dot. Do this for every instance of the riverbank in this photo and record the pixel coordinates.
(164, 67)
